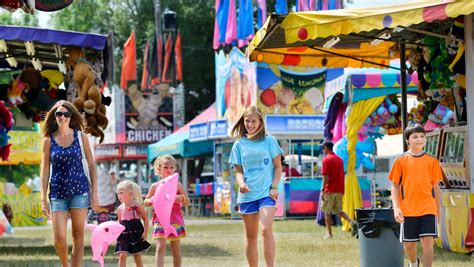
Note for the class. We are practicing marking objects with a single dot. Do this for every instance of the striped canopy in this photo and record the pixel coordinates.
(298, 38)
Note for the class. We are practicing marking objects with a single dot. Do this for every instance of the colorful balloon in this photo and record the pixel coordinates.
(102, 236)
(163, 201)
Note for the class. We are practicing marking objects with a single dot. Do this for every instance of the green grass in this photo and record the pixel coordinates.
(212, 243)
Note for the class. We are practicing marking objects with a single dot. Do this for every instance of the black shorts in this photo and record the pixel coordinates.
(416, 227)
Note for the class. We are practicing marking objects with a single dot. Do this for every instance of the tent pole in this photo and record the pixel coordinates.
(403, 86)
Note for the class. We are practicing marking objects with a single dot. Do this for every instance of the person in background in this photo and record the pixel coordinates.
(289, 172)
(114, 180)
(107, 196)
(332, 190)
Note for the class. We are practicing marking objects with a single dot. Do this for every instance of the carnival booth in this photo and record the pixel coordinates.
(179, 145)
(365, 84)
(289, 97)
(293, 99)
(432, 36)
(38, 68)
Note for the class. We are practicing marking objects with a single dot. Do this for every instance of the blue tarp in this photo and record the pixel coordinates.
(47, 36)
(177, 144)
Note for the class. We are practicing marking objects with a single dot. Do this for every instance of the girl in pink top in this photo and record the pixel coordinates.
(164, 167)
(133, 238)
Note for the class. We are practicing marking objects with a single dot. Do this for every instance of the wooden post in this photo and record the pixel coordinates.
(468, 35)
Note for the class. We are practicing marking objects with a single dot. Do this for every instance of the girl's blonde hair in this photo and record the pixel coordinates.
(159, 161)
(131, 187)
(239, 131)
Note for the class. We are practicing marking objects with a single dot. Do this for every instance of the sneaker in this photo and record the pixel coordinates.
(354, 228)
(327, 236)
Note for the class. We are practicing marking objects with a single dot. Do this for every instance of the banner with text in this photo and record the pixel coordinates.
(290, 90)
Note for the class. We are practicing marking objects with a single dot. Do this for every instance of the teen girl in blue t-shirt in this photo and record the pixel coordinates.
(256, 158)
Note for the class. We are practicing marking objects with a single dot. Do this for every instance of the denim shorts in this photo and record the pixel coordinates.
(76, 202)
(255, 206)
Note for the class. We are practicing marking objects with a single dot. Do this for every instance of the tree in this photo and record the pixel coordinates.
(195, 21)
(18, 174)
(19, 18)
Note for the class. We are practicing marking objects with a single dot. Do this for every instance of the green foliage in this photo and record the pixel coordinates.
(19, 18)
(18, 174)
(195, 21)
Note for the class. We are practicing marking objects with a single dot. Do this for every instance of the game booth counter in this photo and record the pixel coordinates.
(299, 195)
(38, 68)
(436, 37)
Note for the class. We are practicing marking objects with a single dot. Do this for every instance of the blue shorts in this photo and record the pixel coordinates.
(255, 206)
(76, 202)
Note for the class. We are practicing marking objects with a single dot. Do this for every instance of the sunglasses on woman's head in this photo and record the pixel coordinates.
(66, 114)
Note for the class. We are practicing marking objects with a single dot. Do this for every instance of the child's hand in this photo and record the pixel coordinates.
(179, 199)
(148, 201)
(274, 193)
(244, 188)
(144, 235)
(397, 213)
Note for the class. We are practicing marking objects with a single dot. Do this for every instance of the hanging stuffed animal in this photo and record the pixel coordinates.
(436, 72)
(36, 101)
(14, 92)
(89, 97)
(440, 117)
(55, 79)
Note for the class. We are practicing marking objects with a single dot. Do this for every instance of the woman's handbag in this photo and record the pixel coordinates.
(85, 165)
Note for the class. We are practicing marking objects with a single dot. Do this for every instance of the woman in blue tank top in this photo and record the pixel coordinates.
(70, 191)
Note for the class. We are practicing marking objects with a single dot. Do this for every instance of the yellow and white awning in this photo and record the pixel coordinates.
(282, 39)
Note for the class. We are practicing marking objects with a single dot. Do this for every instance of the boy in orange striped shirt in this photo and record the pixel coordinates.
(416, 196)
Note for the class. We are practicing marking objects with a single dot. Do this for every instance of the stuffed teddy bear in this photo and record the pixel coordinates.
(89, 97)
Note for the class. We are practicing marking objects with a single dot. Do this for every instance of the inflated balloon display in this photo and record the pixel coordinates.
(364, 150)
(102, 236)
(163, 201)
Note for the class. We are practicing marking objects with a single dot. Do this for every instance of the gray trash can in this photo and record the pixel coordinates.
(379, 240)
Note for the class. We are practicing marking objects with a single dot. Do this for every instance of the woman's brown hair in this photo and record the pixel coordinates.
(50, 125)
(239, 131)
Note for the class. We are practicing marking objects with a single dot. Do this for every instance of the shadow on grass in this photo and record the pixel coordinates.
(202, 250)
(442, 255)
(53, 263)
(21, 240)
(37, 250)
